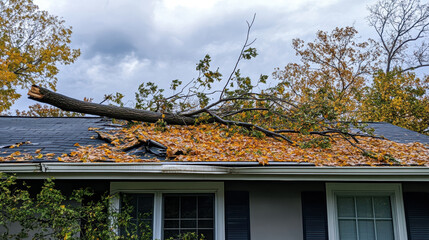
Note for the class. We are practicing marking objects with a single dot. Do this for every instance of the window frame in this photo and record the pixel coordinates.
(394, 190)
(160, 188)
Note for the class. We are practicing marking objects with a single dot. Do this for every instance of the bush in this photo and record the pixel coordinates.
(50, 214)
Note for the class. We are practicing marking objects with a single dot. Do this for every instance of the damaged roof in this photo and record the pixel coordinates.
(34, 139)
(50, 137)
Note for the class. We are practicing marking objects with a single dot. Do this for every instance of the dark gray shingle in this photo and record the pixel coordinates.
(52, 135)
(398, 134)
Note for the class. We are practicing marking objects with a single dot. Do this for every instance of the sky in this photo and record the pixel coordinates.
(124, 43)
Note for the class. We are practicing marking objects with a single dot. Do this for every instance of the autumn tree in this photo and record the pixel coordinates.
(396, 95)
(402, 27)
(328, 80)
(400, 98)
(32, 44)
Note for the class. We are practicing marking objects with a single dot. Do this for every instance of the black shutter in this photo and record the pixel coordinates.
(314, 217)
(237, 219)
(416, 206)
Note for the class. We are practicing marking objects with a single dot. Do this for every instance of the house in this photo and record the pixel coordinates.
(233, 200)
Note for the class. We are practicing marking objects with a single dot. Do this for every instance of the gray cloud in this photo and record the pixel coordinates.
(111, 43)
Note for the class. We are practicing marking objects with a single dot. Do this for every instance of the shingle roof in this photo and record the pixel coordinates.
(59, 135)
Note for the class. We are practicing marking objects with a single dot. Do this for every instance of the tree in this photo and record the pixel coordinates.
(399, 98)
(403, 27)
(32, 43)
(328, 80)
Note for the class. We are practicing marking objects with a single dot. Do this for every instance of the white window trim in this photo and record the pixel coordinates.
(158, 188)
(392, 189)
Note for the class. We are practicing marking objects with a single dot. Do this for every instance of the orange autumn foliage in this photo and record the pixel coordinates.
(32, 43)
(400, 98)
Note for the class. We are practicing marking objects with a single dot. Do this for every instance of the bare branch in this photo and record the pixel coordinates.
(399, 23)
(246, 44)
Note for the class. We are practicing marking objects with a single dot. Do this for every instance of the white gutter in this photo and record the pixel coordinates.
(132, 168)
(20, 167)
(160, 171)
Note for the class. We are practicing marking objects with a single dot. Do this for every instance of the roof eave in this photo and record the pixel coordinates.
(161, 171)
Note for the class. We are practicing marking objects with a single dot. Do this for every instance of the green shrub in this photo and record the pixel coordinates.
(52, 215)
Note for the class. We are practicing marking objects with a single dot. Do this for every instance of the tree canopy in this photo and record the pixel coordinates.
(400, 98)
(32, 43)
(331, 73)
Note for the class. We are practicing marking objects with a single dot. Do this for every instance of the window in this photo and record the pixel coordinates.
(142, 214)
(169, 209)
(188, 213)
(365, 212)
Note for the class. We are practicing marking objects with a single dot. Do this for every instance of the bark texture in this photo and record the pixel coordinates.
(65, 103)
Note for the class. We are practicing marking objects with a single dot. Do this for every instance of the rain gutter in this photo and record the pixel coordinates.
(163, 171)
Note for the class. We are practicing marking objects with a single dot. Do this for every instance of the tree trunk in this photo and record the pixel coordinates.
(70, 104)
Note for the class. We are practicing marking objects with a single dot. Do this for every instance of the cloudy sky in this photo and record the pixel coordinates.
(127, 42)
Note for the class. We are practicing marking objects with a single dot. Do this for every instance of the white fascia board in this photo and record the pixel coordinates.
(160, 171)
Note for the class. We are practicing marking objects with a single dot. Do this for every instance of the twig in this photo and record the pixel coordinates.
(249, 26)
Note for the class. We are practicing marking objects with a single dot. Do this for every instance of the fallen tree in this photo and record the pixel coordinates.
(322, 107)
(70, 104)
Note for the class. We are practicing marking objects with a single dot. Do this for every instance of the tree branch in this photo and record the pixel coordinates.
(249, 126)
(249, 26)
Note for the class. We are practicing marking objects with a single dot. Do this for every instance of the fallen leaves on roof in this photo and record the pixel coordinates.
(212, 142)
(101, 153)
